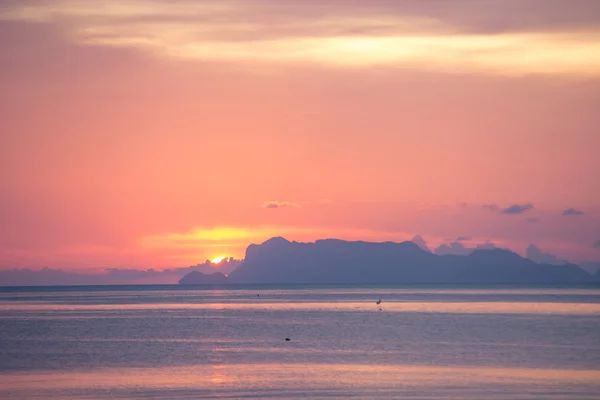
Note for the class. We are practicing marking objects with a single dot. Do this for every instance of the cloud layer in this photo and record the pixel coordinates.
(420, 35)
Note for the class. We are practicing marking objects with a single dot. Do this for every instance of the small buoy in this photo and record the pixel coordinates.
(287, 339)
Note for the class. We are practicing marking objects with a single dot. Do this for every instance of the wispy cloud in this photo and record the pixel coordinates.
(532, 220)
(597, 244)
(279, 204)
(444, 208)
(517, 209)
(355, 36)
(572, 211)
(491, 207)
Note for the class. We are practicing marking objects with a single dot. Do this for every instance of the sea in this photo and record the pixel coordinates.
(297, 342)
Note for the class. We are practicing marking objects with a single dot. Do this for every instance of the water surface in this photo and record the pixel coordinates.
(168, 342)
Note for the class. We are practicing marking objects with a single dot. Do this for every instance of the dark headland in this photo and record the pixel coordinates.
(337, 261)
(195, 277)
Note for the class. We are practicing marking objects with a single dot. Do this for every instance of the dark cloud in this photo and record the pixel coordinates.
(572, 211)
(513, 209)
(491, 207)
(279, 204)
(517, 209)
(597, 244)
(463, 238)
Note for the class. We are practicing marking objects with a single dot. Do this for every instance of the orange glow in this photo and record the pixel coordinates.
(342, 376)
(217, 260)
(168, 133)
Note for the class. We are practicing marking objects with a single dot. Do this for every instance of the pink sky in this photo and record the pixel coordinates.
(148, 133)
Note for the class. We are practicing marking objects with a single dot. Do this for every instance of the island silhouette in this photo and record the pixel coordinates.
(333, 261)
(357, 262)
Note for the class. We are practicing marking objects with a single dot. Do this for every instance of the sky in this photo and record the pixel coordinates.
(158, 134)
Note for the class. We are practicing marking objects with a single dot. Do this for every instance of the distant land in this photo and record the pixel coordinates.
(111, 276)
(194, 277)
(338, 262)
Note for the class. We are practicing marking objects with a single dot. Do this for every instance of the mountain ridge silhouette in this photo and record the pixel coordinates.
(279, 260)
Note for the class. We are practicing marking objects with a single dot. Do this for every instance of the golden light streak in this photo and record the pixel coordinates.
(513, 308)
(211, 31)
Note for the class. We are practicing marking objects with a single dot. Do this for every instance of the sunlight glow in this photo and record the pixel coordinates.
(233, 241)
(217, 260)
(405, 42)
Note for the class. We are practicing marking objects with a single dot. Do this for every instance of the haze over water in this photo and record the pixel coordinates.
(168, 342)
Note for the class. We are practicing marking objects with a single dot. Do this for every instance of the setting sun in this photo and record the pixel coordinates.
(217, 260)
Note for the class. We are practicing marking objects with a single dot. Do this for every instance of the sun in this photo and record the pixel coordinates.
(217, 260)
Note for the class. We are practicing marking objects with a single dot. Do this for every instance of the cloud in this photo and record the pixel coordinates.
(393, 34)
(535, 254)
(463, 238)
(444, 208)
(419, 241)
(572, 211)
(454, 248)
(597, 244)
(109, 276)
(458, 249)
(279, 204)
(491, 207)
(532, 220)
(517, 209)
(485, 246)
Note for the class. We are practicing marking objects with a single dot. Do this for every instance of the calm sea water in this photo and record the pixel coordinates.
(170, 342)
